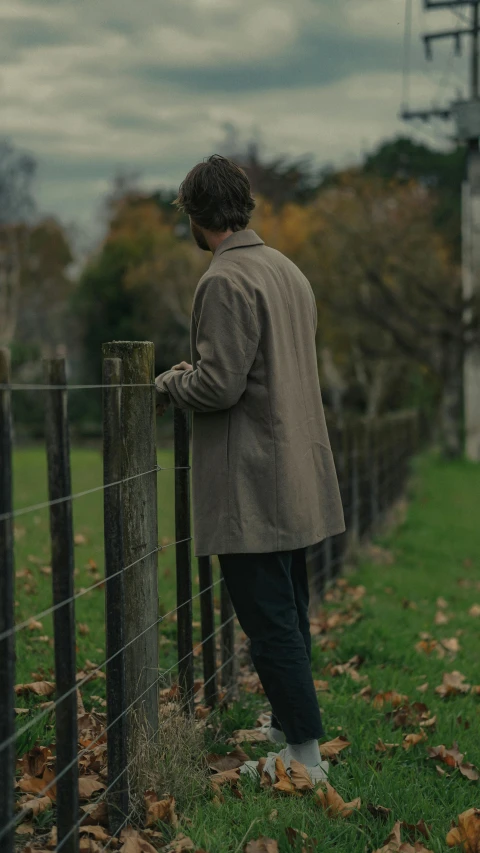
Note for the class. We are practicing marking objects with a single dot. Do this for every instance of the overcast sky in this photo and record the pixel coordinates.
(88, 86)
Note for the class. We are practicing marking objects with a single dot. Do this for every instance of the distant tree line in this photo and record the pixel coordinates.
(379, 242)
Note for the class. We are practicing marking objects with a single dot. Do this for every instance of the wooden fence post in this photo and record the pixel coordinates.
(140, 536)
(118, 801)
(229, 674)
(7, 618)
(208, 627)
(61, 532)
(183, 559)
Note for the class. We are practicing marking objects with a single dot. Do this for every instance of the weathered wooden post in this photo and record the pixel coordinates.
(227, 634)
(117, 722)
(61, 532)
(140, 536)
(7, 619)
(183, 559)
(208, 627)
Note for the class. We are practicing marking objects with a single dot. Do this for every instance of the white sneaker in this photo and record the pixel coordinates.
(273, 735)
(317, 773)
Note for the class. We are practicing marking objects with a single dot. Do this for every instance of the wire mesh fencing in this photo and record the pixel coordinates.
(372, 463)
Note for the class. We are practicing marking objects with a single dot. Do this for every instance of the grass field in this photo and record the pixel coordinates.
(33, 574)
(428, 564)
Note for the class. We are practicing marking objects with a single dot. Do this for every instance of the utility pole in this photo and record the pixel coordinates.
(466, 115)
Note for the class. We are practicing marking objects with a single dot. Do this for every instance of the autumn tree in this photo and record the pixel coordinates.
(140, 283)
(389, 280)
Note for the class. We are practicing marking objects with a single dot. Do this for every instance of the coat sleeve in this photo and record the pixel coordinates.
(226, 341)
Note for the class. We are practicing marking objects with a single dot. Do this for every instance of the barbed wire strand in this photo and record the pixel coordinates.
(162, 675)
(36, 507)
(112, 784)
(88, 677)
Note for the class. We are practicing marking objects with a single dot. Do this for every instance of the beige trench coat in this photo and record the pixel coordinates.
(263, 476)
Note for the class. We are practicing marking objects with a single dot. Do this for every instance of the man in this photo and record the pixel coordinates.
(264, 483)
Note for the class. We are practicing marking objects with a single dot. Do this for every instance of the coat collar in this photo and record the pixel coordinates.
(237, 240)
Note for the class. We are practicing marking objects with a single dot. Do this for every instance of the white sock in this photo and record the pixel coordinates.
(306, 753)
(277, 735)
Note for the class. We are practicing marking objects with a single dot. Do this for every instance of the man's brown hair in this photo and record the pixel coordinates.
(216, 195)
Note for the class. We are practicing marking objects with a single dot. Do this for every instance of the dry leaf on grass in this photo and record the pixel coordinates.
(333, 747)
(451, 644)
(452, 684)
(96, 813)
(321, 685)
(467, 833)
(261, 845)
(34, 785)
(24, 829)
(428, 646)
(163, 810)
(230, 761)
(94, 831)
(300, 776)
(474, 610)
(89, 785)
(413, 740)
(332, 803)
(36, 759)
(133, 842)
(40, 688)
(391, 697)
(380, 746)
(423, 687)
(309, 845)
(36, 805)
(226, 777)
(441, 618)
(380, 812)
(394, 844)
(247, 735)
(453, 758)
(283, 783)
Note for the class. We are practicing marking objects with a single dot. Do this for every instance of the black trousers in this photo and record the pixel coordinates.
(270, 595)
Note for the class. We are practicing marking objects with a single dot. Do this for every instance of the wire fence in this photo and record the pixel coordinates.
(371, 456)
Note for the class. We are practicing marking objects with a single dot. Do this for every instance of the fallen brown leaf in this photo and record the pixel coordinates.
(381, 812)
(283, 783)
(88, 785)
(133, 842)
(40, 688)
(474, 610)
(230, 761)
(413, 740)
(452, 684)
(467, 833)
(230, 777)
(36, 805)
(394, 844)
(309, 845)
(96, 832)
(451, 645)
(261, 845)
(441, 618)
(247, 735)
(332, 802)
(334, 747)
(163, 810)
(390, 697)
(300, 776)
(380, 746)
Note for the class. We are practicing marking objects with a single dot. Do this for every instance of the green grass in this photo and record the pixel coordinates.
(436, 545)
(33, 594)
